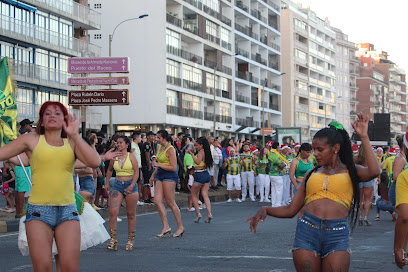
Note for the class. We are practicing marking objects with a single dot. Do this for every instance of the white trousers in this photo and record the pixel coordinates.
(233, 182)
(264, 186)
(286, 189)
(248, 178)
(257, 184)
(276, 190)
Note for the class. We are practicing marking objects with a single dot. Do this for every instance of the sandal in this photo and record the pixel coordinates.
(377, 218)
(394, 217)
(368, 223)
(360, 222)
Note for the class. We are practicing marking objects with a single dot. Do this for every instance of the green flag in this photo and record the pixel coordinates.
(8, 106)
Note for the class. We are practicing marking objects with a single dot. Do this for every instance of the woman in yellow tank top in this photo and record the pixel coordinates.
(124, 187)
(166, 178)
(329, 194)
(51, 211)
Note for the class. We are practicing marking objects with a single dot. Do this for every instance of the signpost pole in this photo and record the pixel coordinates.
(110, 87)
(83, 113)
(263, 113)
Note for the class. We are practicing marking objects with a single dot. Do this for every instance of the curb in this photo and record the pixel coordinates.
(12, 225)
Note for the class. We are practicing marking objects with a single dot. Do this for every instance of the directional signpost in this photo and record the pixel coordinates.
(85, 66)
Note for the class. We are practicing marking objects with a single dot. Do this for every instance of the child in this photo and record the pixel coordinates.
(190, 171)
(383, 203)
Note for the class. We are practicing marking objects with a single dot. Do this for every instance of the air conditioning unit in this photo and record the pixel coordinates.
(82, 33)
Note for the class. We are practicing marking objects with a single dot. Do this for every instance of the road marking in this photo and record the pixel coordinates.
(8, 234)
(22, 267)
(244, 257)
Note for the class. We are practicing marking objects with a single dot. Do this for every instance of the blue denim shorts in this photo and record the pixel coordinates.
(51, 215)
(121, 186)
(321, 236)
(163, 175)
(202, 177)
(87, 184)
(367, 183)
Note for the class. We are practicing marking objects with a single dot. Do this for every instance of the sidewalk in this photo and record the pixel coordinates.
(9, 224)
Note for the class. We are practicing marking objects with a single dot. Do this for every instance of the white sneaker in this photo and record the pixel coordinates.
(229, 200)
(140, 203)
(243, 199)
(239, 200)
(267, 200)
(119, 220)
(192, 209)
(261, 200)
(252, 199)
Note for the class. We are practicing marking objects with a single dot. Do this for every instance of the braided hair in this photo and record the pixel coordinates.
(334, 136)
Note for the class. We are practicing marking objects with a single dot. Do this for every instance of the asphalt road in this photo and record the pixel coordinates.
(224, 245)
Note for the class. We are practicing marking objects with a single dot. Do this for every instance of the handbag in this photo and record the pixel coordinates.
(5, 189)
(268, 167)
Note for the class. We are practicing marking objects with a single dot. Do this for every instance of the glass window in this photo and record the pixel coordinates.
(300, 24)
(225, 35)
(172, 68)
(301, 54)
(172, 98)
(213, 4)
(192, 74)
(41, 97)
(225, 109)
(211, 28)
(25, 101)
(173, 39)
(191, 102)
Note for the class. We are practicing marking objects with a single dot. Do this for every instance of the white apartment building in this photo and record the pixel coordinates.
(347, 71)
(183, 53)
(39, 36)
(309, 61)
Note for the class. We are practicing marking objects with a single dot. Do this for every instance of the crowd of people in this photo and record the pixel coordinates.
(330, 184)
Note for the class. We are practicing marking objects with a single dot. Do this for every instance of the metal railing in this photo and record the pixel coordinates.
(188, 84)
(191, 113)
(172, 110)
(220, 68)
(184, 54)
(246, 30)
(173, 20)
(174, 80)
(212, 38)
(242, 98)
(258, 58)
(241, 5)
(247, 76)
(217, 15)
(70, 9)
(191, 26)
(46, 38)
(195, 3)
(218, 118)
(226, 45)
(269, 2)
(241, 52)
(257, 14)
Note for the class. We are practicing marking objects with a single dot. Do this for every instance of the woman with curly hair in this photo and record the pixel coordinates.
(329, 194)
(203, 161)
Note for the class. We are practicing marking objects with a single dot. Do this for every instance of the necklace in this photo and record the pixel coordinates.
(332, 171)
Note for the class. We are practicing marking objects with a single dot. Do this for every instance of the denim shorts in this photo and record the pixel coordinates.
(121, 186)
(321, 236)
(367, 183)
(87, 184)
(51, 215)
(202, 177)
(163, 175)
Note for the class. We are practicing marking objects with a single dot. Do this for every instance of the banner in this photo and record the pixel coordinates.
(8, 106)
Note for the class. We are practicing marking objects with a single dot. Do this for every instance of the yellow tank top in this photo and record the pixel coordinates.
(126, 170)
(202, 163)
(161, 155)
(337, 187)
(52, 174)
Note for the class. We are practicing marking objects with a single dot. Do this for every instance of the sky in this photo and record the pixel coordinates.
(382, 23)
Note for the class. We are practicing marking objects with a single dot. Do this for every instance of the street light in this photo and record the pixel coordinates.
(110, 54)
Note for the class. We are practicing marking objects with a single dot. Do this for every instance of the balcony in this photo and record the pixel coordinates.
(258, 58)
(226, 45)
(45, 38)
(173, 20)
(354, 99)
(246, 30)
(40, 75)
(174, 80)
(191, 113)
(274, 107)
(195, 3)
(242, 98)
(192, 85)
(302, 107)
(217, 15)
(302, 91)
(191, 26)
(302, 75)
(270, 85)
(255, 102)
(354, 72)
(353, 85)
(241, 52)
(212, 38)
(301, 31)
(247, 76)
(218, 118)
(173, 110)
(220, 68)
(257, 14)
(242, 6)
(270, 3)
(219, 92)
(301, 45)
(184, 54)
(88, 18)
(354, 58)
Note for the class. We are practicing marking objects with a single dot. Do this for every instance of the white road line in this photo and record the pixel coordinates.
(22, 267)
(245, 257)
(8, 234)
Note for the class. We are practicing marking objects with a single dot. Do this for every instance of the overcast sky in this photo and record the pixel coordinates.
(382, 23)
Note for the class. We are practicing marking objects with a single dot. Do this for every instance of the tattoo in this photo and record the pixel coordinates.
(307, 266)
(114, 194)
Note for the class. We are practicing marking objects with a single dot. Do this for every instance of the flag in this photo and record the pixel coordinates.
(8, 106)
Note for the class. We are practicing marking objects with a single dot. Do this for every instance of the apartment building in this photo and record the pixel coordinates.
(309, 64)
(347, 72)
(196, 65)
(39, 36)
(382, 87)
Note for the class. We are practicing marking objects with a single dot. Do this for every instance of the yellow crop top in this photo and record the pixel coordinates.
(126, 170)
(337, 187)
(202, 163)
(161, 156)
(52, 174)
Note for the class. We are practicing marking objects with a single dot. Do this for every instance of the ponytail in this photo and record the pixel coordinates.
(208, 160)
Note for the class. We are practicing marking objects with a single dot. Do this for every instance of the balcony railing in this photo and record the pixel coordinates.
(213, 38)
(255, 102)
(45, 38)
(243, 99)
(257, 14)
(246, 30)
(258, 58)
(242, 6)
(218, 118)
(41, 75)
(191, 113)
(173, 110)
(173, 20)
(217, 15)
(174, 80)
(184, 54)
(269, 2)
(274, 107)
(226, 45)
(191, 26)
(247, 76)
(241, 52)
(195, 3)
(192, 85)
(220, 68)
(71, 9)
(247, 122)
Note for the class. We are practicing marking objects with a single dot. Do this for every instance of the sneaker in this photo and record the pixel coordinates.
(239, 200)
(192, 209)
(261, 200)
(148, 202)
(229, 200)
(243, 199)
(267, 200)
(119, 220)
(140, 203)
(10, 210)
(252, 199)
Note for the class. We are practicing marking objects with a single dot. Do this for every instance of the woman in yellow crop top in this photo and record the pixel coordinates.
(166, 178)
(329, 194)
(124, 187)
(51, 211)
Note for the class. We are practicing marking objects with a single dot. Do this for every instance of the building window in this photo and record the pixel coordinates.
(25, 101)
(97, 36)
(212, 4)
(192, 74)
(301, 24)
(191, 102)
(172, 68)
(211, 28)
(97, 6)
(225, 109)
(172, 98)
(300, 54)
(173, 39)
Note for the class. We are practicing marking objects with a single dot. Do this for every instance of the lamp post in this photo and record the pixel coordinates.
(214, 101)
(110, 54)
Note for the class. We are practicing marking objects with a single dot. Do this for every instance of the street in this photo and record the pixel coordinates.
(224, 245)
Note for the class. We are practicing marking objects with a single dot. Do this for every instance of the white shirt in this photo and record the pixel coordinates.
(137, 153)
